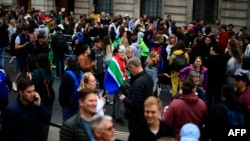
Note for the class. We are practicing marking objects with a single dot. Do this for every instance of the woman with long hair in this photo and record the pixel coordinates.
(124, 44)
(107, 49)
(84, 62)
(198, 67)
(151, 67)
(178, 49)
(43, 79)
(235, 60)
(89, 81)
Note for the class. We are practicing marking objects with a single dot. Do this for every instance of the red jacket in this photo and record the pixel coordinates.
(188, 108)
(223, 40)
(245, 98)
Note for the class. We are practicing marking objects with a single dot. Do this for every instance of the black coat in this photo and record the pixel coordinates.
(24, 122)
(141, 86)
(216, 65)
(73, 130)
(143, 132)
(66, 88)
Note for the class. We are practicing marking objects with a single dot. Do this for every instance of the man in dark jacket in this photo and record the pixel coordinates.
(152, 111)
(22, 119)
(58, 46)
(67, 89)
(77, 127)
(97, 55)
(41, 46)
(23, 48)
(141, 87)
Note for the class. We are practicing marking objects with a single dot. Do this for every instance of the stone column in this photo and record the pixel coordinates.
(130, 7)
(248, 14)
(189, 11)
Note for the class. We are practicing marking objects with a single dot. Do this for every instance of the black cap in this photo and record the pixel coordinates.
(97, 40)
(241, 75)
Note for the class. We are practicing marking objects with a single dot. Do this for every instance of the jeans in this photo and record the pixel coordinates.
(68, 112)
(2, 53)
(117, 105)
(59, 59)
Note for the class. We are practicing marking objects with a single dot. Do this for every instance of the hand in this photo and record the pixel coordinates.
(37, 99)
(165, 109)
(94, 63)
(122, 97)
(76, 42)
(29, 75)
(103, 98)
(167, 75)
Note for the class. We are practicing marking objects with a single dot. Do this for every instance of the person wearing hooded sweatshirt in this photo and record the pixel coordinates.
(178, 49)
(135, 47)
(188, 108)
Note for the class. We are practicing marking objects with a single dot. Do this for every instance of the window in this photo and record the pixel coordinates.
(151, 7)
(103, 6)
(206, 9)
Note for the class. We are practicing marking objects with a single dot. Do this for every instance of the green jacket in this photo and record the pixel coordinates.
(144, 48)
(38, 78)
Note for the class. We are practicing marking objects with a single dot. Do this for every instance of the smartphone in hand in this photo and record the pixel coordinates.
(35, 99)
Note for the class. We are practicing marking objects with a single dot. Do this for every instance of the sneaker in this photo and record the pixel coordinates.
(57, 78)
(109, 102)
(120, 121)
(53, 67)
(14, 86)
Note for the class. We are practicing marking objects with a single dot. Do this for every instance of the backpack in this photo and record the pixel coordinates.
(77, 80)
(3, 86)
(179, 62)
(61, 44)
(233, 117)
(46, 92)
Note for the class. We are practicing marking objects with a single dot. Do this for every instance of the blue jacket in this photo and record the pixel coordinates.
(23, 122)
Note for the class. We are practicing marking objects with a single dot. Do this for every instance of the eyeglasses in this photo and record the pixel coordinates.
(109, 128)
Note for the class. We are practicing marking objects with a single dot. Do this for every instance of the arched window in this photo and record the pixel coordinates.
(206, 9)
(151, 7)
(104, 6)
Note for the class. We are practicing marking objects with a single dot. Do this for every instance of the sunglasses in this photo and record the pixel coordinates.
(109, 128)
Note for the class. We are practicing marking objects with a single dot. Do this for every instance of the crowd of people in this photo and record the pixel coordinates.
(207, 74)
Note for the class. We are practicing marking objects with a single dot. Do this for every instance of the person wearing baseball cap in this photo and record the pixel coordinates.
(189, 132)
(241, 80)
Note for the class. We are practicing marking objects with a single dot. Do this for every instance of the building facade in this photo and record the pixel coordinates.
(236, 12)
